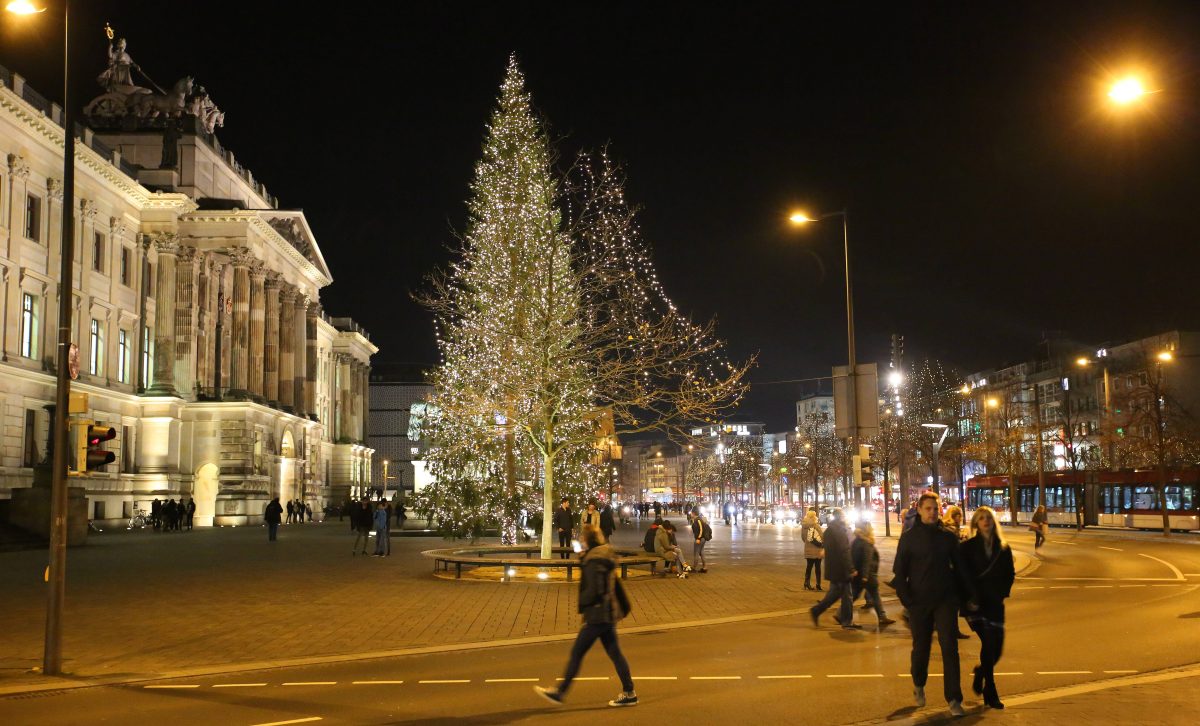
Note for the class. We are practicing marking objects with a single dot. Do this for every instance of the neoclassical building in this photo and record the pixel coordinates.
(197, 319)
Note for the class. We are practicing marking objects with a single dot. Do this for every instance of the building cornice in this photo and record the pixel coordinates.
(253, 220)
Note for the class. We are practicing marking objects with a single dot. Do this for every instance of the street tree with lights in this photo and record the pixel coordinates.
(553, 326)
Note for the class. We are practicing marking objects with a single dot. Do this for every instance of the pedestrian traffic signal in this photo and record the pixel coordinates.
(96, 456)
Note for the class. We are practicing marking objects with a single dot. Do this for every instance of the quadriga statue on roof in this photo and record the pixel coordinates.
(123, 97)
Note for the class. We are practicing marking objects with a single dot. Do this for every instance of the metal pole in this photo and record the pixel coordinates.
(56, 575)
(853, 397)
(1108, 414)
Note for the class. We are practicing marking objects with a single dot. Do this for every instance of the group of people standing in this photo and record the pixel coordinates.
(171, 515)
(594, 516)
(365, 518)
(297, 511)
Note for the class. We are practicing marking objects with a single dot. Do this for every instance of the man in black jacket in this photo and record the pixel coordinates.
(931, 583)
(839, 570)
(564, 522)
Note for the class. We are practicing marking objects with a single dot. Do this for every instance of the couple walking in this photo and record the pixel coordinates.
(937, 576)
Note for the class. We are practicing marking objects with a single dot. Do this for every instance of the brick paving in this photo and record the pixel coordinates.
(143, 603)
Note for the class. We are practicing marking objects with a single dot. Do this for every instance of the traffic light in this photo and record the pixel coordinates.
(95, 455)
(864, 471)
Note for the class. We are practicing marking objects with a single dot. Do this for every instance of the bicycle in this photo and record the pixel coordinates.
(139, 519)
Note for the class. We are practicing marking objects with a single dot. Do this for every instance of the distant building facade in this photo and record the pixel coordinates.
(196, 319)
(399, 395)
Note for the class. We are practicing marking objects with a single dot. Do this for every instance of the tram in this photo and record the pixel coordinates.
(1128, 498)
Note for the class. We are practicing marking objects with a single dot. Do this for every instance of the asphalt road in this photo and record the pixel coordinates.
(1096, 606)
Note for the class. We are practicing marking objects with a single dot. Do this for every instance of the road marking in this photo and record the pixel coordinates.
(1162, 586)
(312, 683)
(1066, 543)
(179, 686)
(295, 720)
(1063, 673)
(380, 683)
(238, 685)
(510, 680)
(1120, 671)
(1132, 585)
(1114, 549)
(451, 680)
(656, 678)
(1088, 587)
(1013, 673)
(854, 675)
(588, 678)
(1081, 579)
(1192, 574)
(908, 675)
(1178, 574)
(715, 678)
(776, 678)
(1063, 587)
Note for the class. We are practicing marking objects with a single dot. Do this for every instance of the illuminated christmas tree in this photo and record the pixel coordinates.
(552, 327)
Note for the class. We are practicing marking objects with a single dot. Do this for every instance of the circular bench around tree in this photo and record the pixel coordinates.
(524, 556)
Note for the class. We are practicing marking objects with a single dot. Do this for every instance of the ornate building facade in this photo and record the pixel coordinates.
(197, 320)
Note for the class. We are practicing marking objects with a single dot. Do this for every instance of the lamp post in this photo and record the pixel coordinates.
(799, 218)
(56, 573)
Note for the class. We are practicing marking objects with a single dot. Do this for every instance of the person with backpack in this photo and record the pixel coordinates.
(839, 570)
(651, 534)
(866, 562)
(702, 533)
(602, 602)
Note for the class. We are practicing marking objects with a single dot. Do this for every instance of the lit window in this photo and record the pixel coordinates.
(96, 359)
(28, 326)
(122, 356)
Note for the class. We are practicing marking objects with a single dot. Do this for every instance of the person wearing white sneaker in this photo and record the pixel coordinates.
(603, 602)
(931, 581)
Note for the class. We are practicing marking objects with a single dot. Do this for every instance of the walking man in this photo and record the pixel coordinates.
(564, 523)
(839, 570)
(607, 525)
(361, 520)
(271, 516)
(929, 577)
(191, 512)
(602, 602)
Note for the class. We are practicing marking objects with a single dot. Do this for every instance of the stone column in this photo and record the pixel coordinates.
(185, 315)
(164, 317)
(300, 350)
(239, 362)
(345, 404)
(360, 400)
(203, 369)
(311, 367)
(271, 340)
(287, 351)
(258, 317)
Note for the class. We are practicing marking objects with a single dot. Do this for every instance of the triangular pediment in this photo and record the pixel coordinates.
(293, 227)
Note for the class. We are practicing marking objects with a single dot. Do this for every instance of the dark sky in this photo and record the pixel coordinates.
(992, 195)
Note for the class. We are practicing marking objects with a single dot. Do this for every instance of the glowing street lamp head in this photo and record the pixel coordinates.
(992, 403)
(1126, 91)
(800, 218)
(1082, 362)
(23, 7)
(1166, 356)
(895, 378)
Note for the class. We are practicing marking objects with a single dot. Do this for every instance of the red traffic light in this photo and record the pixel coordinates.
(96, 455)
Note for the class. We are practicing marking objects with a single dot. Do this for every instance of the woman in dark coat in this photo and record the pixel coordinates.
(989, 565)
(602, 602)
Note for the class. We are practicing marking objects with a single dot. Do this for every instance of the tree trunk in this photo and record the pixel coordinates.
(547, 506)
(1162, 498)
(508, 523)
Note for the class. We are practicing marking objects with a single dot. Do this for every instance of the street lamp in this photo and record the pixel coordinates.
(800, 218)
(937, 450)
(56, 572)
(1108, 412)
(1127, 90)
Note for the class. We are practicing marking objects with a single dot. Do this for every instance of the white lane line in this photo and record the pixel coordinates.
(510, 680)
(1073, 579)
(1163, 586)
(656, 678)
(1114, 549)
(295, 720)
(906, 675)
(1178, 574)
(312, 683)
(1192, 574)
(452, 680)
(179, 686)
(854, 675)
(238, 685)
(1066, 543)
(779, 678)
(379, 683)
(715, 678)
(1102, 685)
(1133, 586)
(1063, 673)
(1064, 587)
(1120, 671)
(1089, 587)
(1012, 673)
(588, 678)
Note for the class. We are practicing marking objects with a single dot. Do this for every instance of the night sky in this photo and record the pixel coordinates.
(992, 193)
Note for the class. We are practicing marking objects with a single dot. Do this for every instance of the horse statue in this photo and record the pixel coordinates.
(150, 106)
